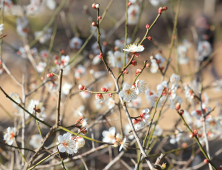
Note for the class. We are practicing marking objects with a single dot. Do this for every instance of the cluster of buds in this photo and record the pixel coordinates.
(161, 9)
(103, 89)
(81, 87)
(138, 71)
(95, 5)
(134, 63)
(49, 75)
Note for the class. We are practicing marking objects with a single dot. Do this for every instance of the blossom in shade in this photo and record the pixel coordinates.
(182, 54)
(40, 67)
(67, 144)
(43, 37)
(204, 49)
(134, 48)
(35, 141)
(9, 136)
(124, 144)
(116, 59)
(75, 43)
(140, 86)
(109, 136)
(120, 43)
(133, 14)
(16, 98)
(128, 93)
(66, 88)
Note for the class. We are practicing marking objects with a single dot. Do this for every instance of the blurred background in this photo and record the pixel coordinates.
(197, 20)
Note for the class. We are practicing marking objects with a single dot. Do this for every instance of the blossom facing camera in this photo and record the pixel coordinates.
(67, 144)
(128, 93)
(9, 136)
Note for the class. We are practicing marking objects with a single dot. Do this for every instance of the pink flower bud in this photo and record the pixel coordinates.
(110, 94)
(81, 87)
(160, 10)
(126, 71)
(94, 24)
(50, 75)
(147, 26)
(177, 106)
(134, 63)
(129, 3)
(99, 96)
(191, 135)
(149, 38)
(103, 89)
(195, 131)
(99, 17)
(94, 5)
(147, 65)
(138, 71)
(165, 8)
(206, 161)
(181, 112)
(101, 56)
(56, 62)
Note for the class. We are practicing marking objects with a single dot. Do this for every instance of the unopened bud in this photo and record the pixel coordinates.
(138, 71)
(94, 5)
(164, 8)
(103, 89)
(191, 135)
(160, 10)
(126, 71)
(94, 24)
(177, 106)
(99, 96)
(181, 112)
(134, 62)
(110, 94)
(147, 65)
(147, 26)
(56, 62)
(195, 131)
(129, 3)
(81, 87)
(99, 17)
(63, 51)
(50, 75)
(101, 56)
(97, 6)
(149, 38)
(206, 161)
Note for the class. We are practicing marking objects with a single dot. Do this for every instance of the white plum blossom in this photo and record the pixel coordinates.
(182, 54)
(40, 67)
(109, 136)
(44, 53)
(66, 88)
(116, 59)
(204, 49)
(67, 144)
(96, 60)
(98, 104)
(140, 86)
(110, 103)
(75, 43)
(23, 54)
(124, 144)
(174, 79)
(32, 8)
(198, 113)
(158, 131)
(35, 141)
(133, 14)
(174, 101)
(154, 66)
(127, 129)
(159, 59)
(43, 36)
(9, 136)
(85, 94)
(134, 48)
(138, 124)
(16, 98)
(187, 117)
(156, 2)
(51, 4)
(135, 103)
(40, 109)
(145, 116)
(65, 60)
(96, 49)
(176, 137)
(128, 93)
(80, 142)
(79, 71)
